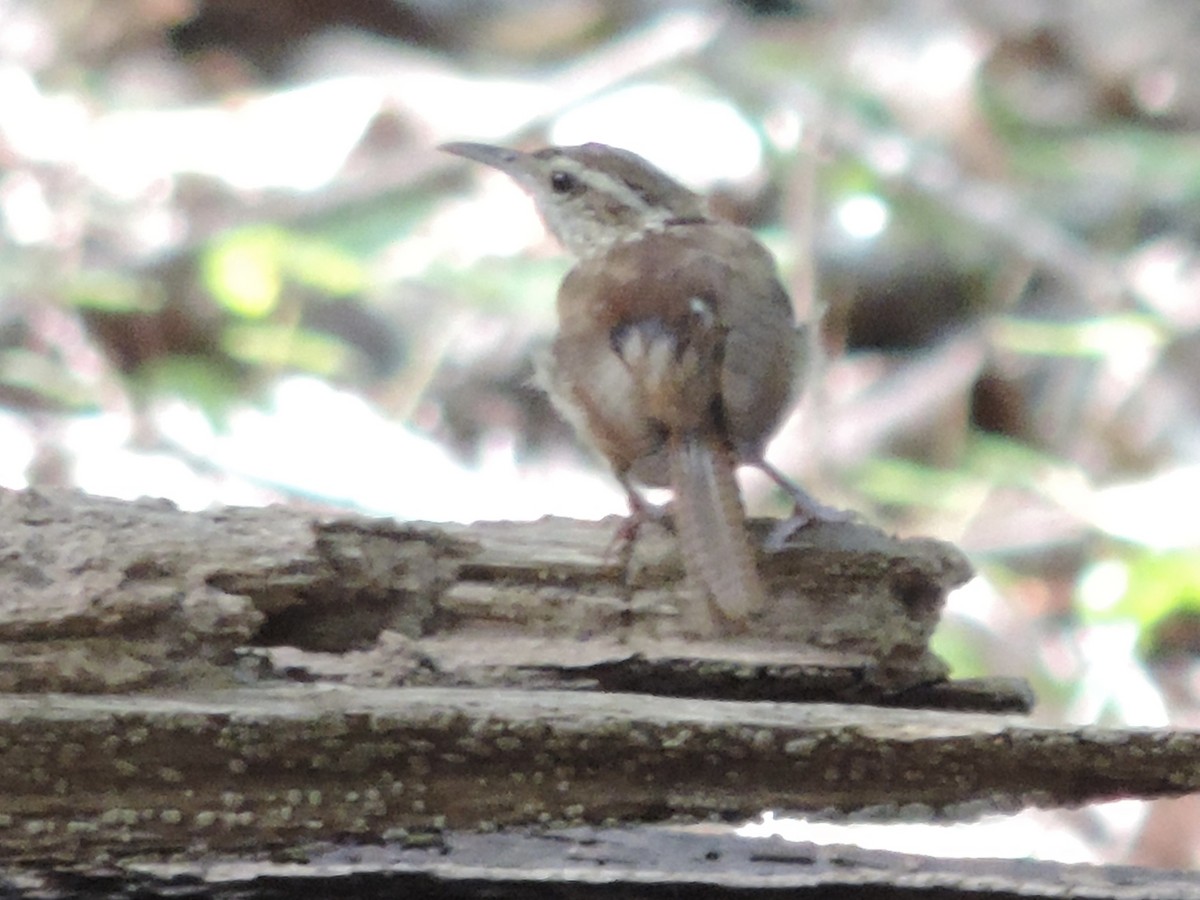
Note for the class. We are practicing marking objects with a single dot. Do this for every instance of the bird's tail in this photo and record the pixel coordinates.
(711, 526)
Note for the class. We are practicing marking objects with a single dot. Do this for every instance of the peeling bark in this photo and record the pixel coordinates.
(103, 596)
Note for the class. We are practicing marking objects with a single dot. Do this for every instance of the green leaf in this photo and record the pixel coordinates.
(957, 645)
(281, 346)
(205, 381)
(113, 292)
(514, 285)
(906, 483)
(46, 379)
(242, 270)
(247, 270)
(988, 461)
(1156, 585)
(1099, 337)
(1001, 460)
(322, 265)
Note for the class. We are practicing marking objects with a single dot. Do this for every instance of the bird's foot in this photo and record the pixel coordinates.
(641, 511)
(806, 511)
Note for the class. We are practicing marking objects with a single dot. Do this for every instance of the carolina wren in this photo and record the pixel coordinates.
(676, 353)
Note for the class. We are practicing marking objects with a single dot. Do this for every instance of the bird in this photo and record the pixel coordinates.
(677, 352)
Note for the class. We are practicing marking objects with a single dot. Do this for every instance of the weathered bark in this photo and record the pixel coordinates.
(610, 864)
(477, 678)
(102, 596)
(258, 768)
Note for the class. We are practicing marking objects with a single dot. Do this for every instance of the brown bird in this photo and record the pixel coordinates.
(676, 354)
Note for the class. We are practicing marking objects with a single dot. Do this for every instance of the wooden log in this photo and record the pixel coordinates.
(459, 680)
(614, 864)
(256, 768)
(103, 596)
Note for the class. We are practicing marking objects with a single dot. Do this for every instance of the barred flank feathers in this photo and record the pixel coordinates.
(712, 527)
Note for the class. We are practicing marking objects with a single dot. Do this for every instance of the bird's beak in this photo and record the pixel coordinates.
(502, 158)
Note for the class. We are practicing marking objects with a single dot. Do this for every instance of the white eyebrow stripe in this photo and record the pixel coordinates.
(613, 187)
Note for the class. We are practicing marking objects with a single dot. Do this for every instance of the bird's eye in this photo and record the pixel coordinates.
(563, 182)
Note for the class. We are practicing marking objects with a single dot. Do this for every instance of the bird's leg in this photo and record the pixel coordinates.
(641, 511)
(806, 509)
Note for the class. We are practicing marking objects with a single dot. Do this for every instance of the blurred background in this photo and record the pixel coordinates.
(234, 269)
